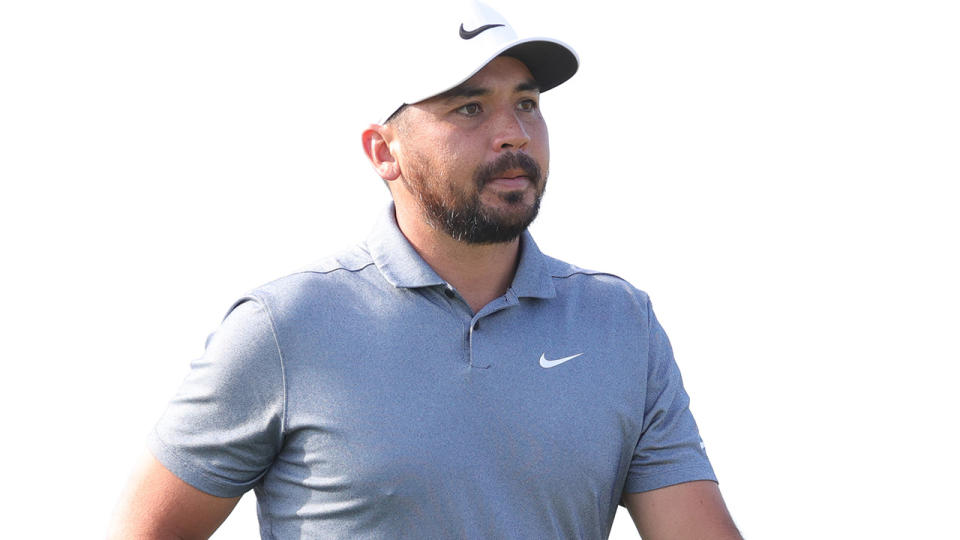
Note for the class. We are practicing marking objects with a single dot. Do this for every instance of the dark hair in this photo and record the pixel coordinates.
(395, 114)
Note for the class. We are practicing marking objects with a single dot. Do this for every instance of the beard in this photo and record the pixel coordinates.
(462, 215)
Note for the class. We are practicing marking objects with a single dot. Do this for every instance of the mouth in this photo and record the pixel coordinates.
(510, 184)
(514, 172)
(512, 179)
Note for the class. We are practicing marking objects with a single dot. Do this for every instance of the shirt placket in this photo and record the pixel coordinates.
(459, 309)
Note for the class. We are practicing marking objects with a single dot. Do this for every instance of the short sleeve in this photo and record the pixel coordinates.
(670, 450)
(221, 431)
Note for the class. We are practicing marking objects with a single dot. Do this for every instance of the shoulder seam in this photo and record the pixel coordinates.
(587, 273)
(283, 371)
(332, 270)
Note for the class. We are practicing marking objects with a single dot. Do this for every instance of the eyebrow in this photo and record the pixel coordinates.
(465, 90)
(529, 85)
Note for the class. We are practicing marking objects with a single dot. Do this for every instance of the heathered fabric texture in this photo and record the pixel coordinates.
(362, 398)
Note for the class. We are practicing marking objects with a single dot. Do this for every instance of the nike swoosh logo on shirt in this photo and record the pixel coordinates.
(544, 363)
(470, 34)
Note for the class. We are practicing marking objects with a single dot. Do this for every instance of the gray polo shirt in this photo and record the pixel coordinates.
(362, 398)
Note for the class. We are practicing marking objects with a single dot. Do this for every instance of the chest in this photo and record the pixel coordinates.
(451, 411)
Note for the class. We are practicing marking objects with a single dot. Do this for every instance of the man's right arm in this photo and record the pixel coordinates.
(217, 437)
(158, 505)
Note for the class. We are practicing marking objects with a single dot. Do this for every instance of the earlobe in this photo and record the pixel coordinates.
(377, 148)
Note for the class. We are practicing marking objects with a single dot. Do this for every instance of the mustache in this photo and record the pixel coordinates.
(506, 162)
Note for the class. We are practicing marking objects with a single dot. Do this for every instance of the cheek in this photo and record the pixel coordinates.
(546, 145)
(439, 150)
(537, 131)
(456, 161)
(542, 152)
(429, 160)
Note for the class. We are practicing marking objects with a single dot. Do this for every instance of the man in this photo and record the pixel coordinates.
(444, 379)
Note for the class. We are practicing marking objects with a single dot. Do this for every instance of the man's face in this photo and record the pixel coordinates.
(475, 159)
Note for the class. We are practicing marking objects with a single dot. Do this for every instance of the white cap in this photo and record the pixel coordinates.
(437, 50)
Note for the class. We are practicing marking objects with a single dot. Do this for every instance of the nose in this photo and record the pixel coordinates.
(510, 132)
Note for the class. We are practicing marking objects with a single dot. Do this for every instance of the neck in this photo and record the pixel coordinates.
(479, 272)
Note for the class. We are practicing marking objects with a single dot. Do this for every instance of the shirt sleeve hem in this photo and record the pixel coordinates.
(182, 468)
(668, 478)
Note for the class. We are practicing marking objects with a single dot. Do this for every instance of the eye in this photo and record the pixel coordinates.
(527, 105)
(470, 109)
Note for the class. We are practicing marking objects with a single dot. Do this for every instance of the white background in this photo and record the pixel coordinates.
(780, 177)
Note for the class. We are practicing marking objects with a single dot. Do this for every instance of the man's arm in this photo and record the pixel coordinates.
(158, 505)
(688, 511)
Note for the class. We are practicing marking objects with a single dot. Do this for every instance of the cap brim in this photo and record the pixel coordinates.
(550, 62)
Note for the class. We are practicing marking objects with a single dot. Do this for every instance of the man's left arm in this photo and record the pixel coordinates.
(670, 489)
(687, 511)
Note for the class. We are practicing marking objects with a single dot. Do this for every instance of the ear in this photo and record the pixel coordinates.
(376, 144)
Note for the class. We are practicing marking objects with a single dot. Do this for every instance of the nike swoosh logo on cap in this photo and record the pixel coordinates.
(470, 34)
(544, 363)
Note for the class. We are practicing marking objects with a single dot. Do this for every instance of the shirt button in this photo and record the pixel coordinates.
(449, 292)
(476, 325)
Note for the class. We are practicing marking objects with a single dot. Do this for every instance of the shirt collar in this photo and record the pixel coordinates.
(402, 266)
(396, 259)
(533, 279)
